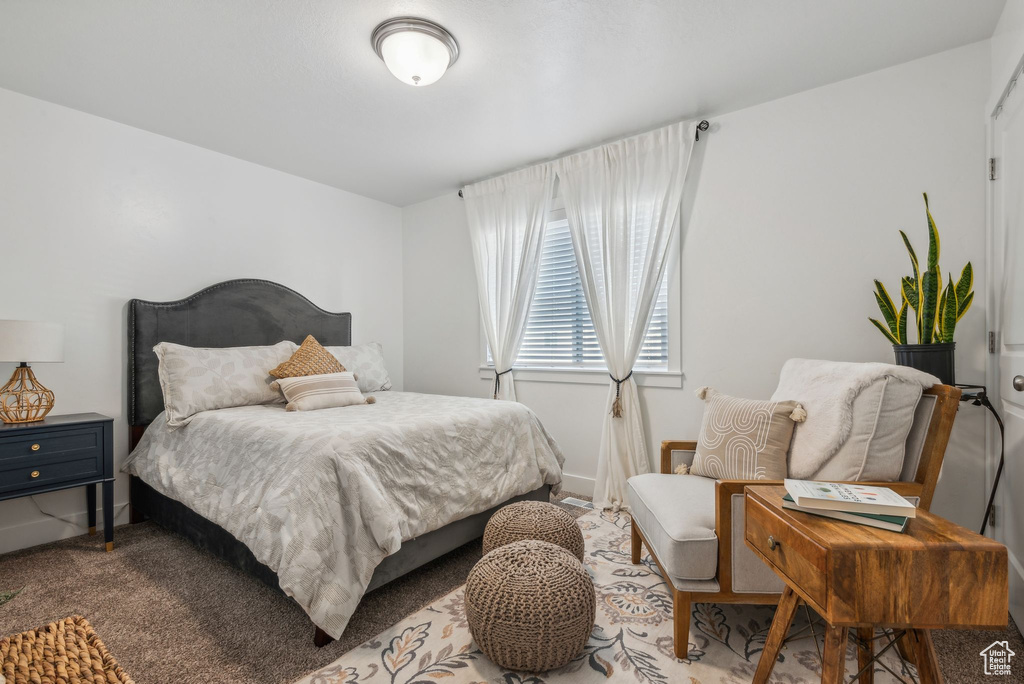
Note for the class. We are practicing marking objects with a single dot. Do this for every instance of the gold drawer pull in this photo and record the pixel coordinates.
(772, 544)
(35, 473)
(35, 447)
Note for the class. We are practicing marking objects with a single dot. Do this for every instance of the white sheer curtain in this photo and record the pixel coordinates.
(622, 202)
(507, 216)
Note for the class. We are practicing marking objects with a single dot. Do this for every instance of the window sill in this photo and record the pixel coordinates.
(587, 376)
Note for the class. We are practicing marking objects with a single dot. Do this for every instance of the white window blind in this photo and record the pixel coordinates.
(559, 332)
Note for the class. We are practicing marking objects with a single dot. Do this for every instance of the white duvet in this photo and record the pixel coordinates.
(321, 497)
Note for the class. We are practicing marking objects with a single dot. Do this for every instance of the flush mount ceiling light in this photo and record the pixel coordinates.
(416, 51)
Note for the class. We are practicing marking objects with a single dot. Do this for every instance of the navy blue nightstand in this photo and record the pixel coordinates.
(58, 453)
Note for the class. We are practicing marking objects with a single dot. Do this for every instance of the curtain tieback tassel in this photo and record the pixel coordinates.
(497, 380)
(617, 404)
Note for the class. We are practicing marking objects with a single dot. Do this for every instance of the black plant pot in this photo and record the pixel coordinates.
(936, 359)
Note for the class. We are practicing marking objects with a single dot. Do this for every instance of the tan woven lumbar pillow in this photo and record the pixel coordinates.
(744, 439)
(309, 359)
(312, 392)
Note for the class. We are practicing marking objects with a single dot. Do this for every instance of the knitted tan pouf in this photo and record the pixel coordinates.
(534, 520)
(530, 606)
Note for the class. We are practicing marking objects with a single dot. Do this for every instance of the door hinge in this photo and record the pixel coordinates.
(991, 342)
(992, 516)
(991, 168)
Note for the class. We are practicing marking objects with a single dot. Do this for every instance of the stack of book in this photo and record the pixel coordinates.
(873, 506)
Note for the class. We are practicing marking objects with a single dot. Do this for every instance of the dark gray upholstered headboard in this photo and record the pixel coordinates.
(235, 313)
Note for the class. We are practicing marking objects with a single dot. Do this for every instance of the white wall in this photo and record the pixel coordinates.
(94, 213)
(797, 210)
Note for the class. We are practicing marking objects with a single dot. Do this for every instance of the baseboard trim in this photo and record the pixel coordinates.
(44, 529)
(577, 484)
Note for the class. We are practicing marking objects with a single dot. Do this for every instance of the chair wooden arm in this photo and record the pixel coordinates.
(667, 447)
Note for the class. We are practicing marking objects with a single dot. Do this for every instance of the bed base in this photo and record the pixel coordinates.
(148, 504)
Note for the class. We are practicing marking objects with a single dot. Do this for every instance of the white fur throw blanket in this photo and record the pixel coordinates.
(827, 390)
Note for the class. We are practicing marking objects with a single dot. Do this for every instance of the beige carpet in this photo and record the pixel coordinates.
(174, 614)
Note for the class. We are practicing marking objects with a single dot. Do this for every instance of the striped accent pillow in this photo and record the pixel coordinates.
(312, 392)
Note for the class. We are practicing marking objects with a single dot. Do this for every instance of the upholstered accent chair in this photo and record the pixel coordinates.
(693, 526)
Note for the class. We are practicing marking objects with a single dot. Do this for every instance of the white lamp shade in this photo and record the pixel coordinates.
(414, 57)
(31, 342)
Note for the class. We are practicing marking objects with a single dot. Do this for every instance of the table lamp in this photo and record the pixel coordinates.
(24, 399)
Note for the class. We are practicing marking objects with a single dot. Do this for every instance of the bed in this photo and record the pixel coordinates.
(324, 505)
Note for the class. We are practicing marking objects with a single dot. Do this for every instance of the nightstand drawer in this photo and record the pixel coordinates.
(801, 559)
(52, 443)
(49, 472)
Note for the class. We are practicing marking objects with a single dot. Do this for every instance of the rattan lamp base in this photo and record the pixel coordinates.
(24, 399)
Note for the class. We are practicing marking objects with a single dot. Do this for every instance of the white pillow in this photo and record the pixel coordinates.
(858, 417)
(883, 414)
(195, 379)
(326, 390)
(367, 362)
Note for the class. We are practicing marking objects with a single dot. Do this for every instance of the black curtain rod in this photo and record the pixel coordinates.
(702, 126)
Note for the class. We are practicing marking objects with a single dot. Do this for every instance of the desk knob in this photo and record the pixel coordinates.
(772, 544)
(1018, 383)
(35, 473)
(35, 447)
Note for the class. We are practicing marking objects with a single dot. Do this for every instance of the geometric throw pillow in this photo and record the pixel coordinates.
(309, 359)
(311, 392)
(744, 439)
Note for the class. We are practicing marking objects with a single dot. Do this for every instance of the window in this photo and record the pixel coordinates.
(559, 332)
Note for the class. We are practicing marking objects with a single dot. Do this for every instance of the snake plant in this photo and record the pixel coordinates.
(936, 308)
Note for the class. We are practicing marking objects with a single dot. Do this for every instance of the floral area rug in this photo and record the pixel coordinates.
(631, 642)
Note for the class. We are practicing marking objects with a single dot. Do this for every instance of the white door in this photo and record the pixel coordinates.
(1006, 299)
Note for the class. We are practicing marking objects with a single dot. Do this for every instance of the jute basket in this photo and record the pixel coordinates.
(64, 652)
(530, 606)
(534, 520)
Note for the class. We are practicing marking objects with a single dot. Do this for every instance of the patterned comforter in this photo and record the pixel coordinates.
(321, 497)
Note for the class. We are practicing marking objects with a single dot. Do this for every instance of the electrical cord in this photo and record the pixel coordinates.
(117, 509)
(982, 400)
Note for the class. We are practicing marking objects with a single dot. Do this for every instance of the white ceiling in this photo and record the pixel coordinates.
(296, 86)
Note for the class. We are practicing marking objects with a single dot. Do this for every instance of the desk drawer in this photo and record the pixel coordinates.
(796, 556)
(52, 443)
(21, 476)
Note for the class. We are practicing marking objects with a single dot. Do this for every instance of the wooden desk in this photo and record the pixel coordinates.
(936, 575)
